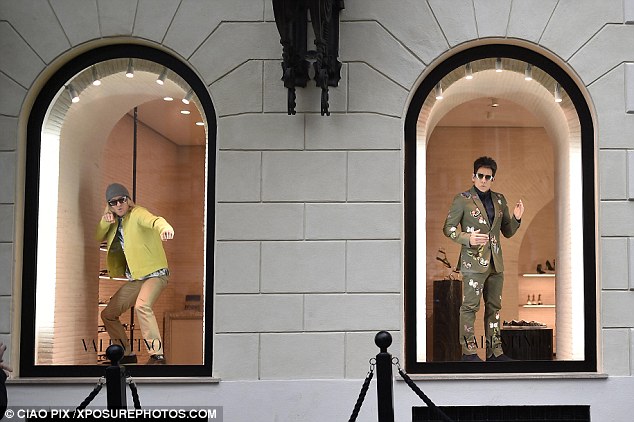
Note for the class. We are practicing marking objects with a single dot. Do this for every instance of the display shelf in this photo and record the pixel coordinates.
(103, 277)
(525, 327)
(537, 306)
(538, 275)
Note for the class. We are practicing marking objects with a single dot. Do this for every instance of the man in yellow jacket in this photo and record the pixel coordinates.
(133, 236)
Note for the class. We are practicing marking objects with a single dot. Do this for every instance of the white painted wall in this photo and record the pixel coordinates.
(334, 400)
(327, 190)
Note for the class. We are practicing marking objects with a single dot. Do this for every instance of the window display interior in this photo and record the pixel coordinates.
(533, 133)
(146, 135)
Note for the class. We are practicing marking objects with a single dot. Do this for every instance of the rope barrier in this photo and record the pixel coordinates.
(362, 393)
(92, 394)
(100, 383)
(408, 381)
(135, 393)
(420, 393)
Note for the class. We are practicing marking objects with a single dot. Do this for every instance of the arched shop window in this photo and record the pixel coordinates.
(522, 109)
(140, 117)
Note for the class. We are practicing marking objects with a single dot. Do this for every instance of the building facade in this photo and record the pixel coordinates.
(308, 218)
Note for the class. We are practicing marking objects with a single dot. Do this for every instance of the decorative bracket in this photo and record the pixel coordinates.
(291, 17)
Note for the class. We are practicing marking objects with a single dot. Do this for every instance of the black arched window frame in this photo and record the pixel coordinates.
(589, 364)
(28, 368)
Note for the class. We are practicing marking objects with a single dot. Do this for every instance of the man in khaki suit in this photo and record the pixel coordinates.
(475, 220)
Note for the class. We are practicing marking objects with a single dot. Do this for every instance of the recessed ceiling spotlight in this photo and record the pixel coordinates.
(185, 112)
(468, 71)
(494, 102)
(161, 79)
(558, 98)
(188, 97)
(438, 90)
(72, 92)
(200, 124)
(129, 73)
(168, 98)
(498, 65)
(528, 73)
(95, 77)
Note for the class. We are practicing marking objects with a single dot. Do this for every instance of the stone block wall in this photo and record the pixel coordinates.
(309, 213)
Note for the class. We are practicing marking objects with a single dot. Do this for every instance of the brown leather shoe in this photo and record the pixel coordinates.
(156, 360)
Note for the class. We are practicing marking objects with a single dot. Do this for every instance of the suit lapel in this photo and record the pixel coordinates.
(480, 205)
(496, 207)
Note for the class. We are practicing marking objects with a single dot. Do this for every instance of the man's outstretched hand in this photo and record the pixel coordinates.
(519, 210)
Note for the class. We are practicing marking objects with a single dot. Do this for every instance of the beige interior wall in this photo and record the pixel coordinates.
(525, 170)
(539, 245)
(75, 292)
(170, 183)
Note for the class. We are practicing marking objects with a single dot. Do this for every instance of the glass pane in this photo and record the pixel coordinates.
(122, 131)
(527, 302)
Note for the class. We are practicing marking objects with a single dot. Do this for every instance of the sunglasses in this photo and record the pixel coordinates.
(481, 176)
(114, 202)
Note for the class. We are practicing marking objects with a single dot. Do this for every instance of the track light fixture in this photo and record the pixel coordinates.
(188, 97)
(494, 102)
(498, 65)
(129, 73)
(95, 77)
(558, 98)
(72, 92)
(161, 79)
(468, 71)
(528, 72)
(439, 95)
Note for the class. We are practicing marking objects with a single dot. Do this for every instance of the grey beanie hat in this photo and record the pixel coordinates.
(116, 189)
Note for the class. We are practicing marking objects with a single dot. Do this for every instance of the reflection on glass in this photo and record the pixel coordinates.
(536, 144)
(159, 154)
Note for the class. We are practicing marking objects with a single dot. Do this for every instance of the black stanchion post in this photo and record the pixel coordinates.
(384, 379)
(115, 379)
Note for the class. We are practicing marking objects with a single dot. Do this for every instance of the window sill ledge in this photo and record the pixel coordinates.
(137, 380)
(507, 376)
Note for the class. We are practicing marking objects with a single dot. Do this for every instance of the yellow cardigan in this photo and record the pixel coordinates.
(144, 251)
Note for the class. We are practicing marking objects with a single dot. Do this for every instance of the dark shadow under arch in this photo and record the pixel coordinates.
(589, 364)
(31, 212)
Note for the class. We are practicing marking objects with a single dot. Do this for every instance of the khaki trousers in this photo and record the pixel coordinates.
(487, 285)
(142, 294)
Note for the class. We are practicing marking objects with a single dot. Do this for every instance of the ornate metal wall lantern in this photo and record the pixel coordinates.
(291, 17)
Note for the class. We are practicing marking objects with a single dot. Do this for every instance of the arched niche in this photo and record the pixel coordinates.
(568, 129)
(79, 145)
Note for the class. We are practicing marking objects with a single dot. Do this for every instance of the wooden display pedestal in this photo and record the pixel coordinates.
(184, 337)
(528, 343)
(447, 301)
